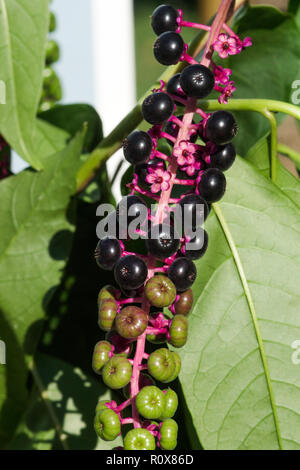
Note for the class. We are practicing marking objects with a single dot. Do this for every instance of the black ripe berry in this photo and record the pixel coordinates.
(107, 253)
(223, 158)
(130, 272)
(174, 88)
(142, 171)
(198, 245)
(137, 147)
(221, 128)
(212, 185)
(168, 48)
(162, 241)
(194, 211)
(197, 81)
(131, 207)
(182, 273)
(164, 18)
(157, 108)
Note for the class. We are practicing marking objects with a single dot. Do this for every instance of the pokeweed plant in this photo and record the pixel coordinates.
(233, 382)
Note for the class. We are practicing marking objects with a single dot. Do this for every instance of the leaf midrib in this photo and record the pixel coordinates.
(248, 295)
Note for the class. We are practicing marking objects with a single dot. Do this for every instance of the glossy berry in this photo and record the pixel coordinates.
(131, 207)
(137, 147)
(178, 331)
(142, 171)
(150, 402)
(107, 253)
(161, 365)
(197, 246)
(157, 108)
(101, 405)
(100, 355)
(139, 439)
(107, 292)
(107, 312)
(107, 424)
(182, 273)
(184, 304)
(197, 81)
(117, 372)
(174, 88)
(221, 128)
(164, 18)
(177, 369)
(194, 211)
(168, 48)
(171, 404)
(144, 381)
(130, 272)
(160, 291)
(162, 242)
(168, 435)
(212, 185)
(223, 158)
(131, 322)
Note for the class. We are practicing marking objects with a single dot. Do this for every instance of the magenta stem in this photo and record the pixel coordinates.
(123, 405)
(132, 300)
(176, 120)
(168, 136)
(161, 155)
(126, 420)
(189, 24)
(229, 30)
(187, 58)
(184, 182)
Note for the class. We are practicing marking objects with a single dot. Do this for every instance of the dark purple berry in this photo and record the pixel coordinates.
(162, 241)
(182, 273)
(168, 48)
(137, 147)
(200, 243)
(131, 207)
(197, 81)
(130, 272)
(221, 128)
(107, 253)
(174, 88)
(184, 304)
(142, 171)
(212, 185)
(194, 211)
(223, 158)
(157, 108)
(164, 18)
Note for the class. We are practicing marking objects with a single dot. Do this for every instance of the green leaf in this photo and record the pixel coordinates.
(71, 400)
(36, 235)
(294, 9)
(238, 377)
(23, 37)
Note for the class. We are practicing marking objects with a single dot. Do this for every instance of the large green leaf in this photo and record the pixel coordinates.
(71, 400)
(238, 378)
(23, 37)
(36, 234)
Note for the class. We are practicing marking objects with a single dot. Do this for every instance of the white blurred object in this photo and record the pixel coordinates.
(114, 68)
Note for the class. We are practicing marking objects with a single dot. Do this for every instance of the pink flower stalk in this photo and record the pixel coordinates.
(227, 92)
(159, 179)
(221, 75)
(227, 45)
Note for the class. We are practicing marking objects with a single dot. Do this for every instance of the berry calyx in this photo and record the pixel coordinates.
(171, 404)
(142, 171)
(139, 439)
(157, 108)
(162, 241)
(184, 304)
(160, 291)
(221, 128)
(137, 147)
(107, 424)
(107, 313)
(168, 48)
(178, 331)
(197, 81)
(117, 372)
(194, 211)
(130, 272)
(168, 434)
(100, 355)
(164, 18)
(212, 185)
(198, 245)
(107, 253)
(182, 273)
(161, 365)
(223, 158)
(131, 322)
(130, 208)
(150, 402)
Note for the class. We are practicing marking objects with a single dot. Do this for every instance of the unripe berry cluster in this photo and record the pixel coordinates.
(154, 295)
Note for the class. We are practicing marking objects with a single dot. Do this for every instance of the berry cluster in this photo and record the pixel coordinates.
(154, 296)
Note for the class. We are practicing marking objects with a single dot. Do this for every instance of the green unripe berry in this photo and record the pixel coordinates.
(150, 402)
(46, 105)
(131, 322)
(177, 366)
(156, 339)
(161, 365)
(171, 404)
(168, 433)
(101, 405)
(52, 52)
(184, 304)
(107, 313)
(160, 291)
(52, 22)
(100, 355)
(107, 292)
(107, 424)
(117, 372)
(139, 439)
(178, 331)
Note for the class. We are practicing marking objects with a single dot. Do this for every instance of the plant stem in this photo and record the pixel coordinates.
(273, 144)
